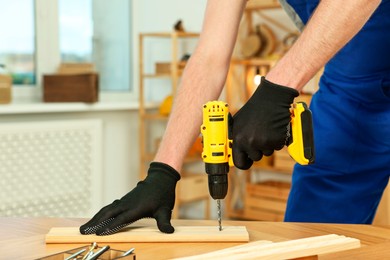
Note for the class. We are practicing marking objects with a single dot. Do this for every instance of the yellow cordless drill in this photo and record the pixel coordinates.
(217, 144)
(217, 149)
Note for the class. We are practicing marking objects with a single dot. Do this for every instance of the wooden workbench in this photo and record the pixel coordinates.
(23, 238)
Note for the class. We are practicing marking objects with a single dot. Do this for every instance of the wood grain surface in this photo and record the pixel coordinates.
(24, 238)
(151, 234)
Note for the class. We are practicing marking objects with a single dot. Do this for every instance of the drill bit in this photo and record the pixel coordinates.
(219, 214)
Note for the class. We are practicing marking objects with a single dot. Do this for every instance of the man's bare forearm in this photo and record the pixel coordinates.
(203, 79)
(332, 25)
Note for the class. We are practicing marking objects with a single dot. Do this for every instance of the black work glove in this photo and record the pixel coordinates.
(261, 125)
(154, 197)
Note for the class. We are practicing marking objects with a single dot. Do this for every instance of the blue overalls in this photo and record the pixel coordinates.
(351, 117)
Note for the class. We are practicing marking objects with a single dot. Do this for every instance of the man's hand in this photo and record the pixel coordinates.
(261, 125)
(154, 197)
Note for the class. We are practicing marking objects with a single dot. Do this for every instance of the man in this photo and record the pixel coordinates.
(351, 114)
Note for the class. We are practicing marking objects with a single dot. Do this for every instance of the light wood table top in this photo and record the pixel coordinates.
(23, 238)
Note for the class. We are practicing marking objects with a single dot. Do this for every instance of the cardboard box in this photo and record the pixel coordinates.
(71, 88)
(5, 89)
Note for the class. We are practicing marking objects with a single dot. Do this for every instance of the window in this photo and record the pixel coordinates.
(99, 32)
(17, 40)
(112, 43)
(36, 35)
(75, 22)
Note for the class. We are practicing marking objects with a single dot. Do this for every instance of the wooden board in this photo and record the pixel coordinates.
(283, 250)
(72, 235)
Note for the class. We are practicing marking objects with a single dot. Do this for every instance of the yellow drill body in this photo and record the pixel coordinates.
(215, 130)
(217, 147)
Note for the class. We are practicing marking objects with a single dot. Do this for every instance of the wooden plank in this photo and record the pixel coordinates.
(283, 250)
(148, 234)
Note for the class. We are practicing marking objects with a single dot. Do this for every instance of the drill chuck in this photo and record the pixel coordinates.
(218, 179)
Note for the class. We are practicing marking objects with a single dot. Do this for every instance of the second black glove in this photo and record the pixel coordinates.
(261, 125)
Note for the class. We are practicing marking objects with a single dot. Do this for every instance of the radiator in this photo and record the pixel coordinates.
(50, 169)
